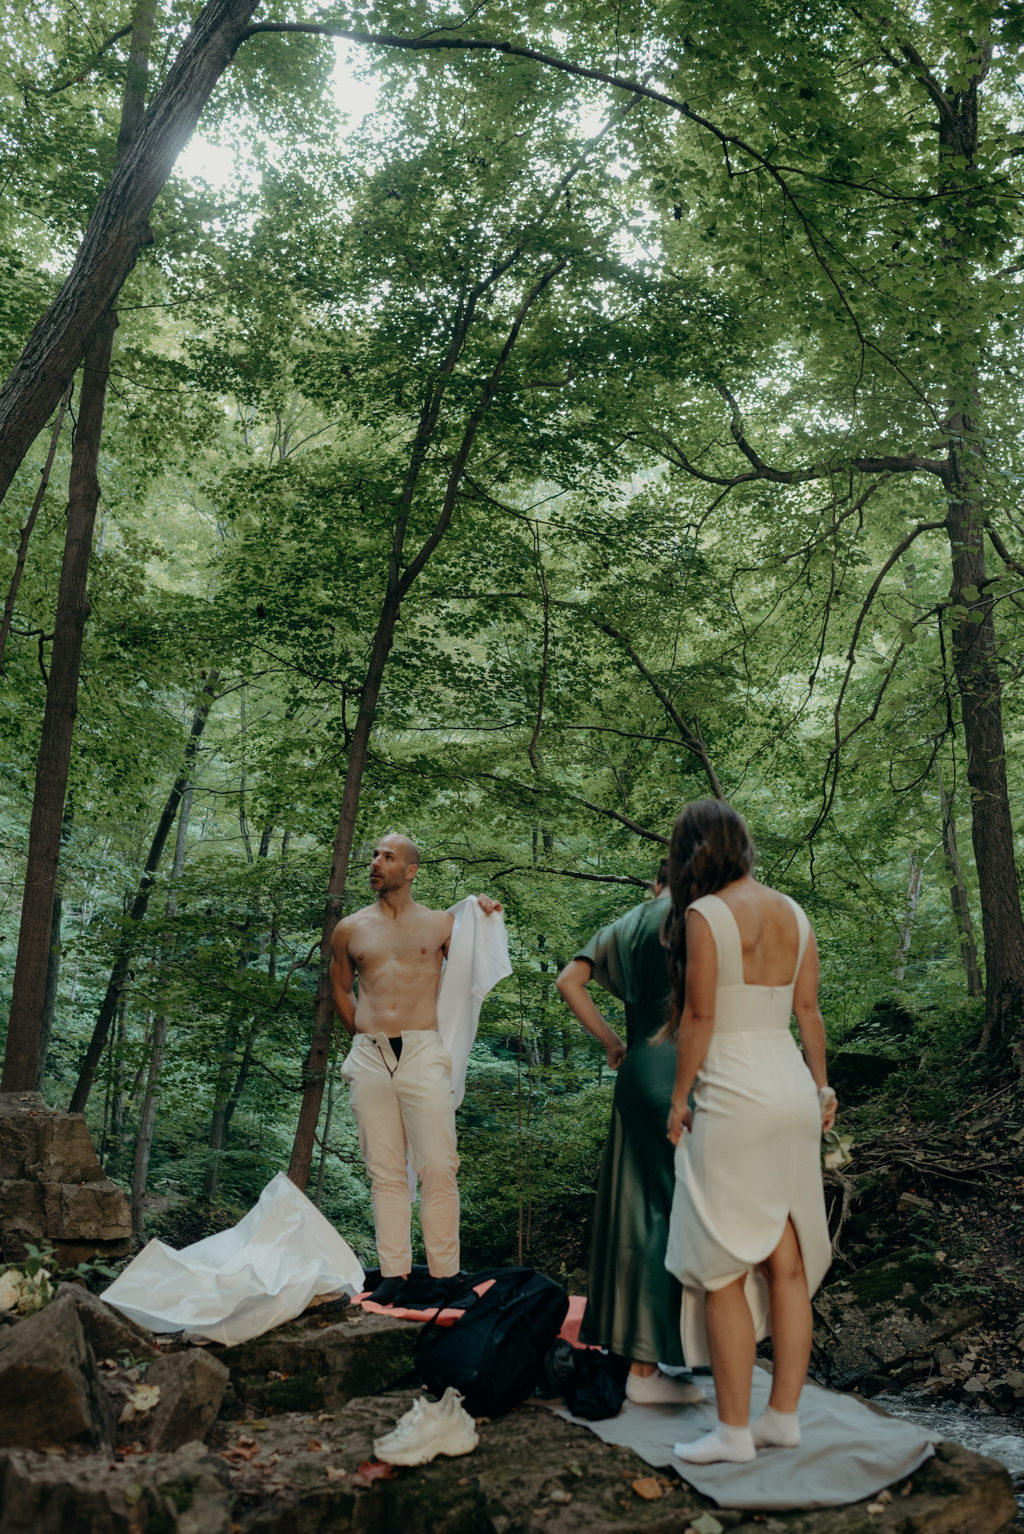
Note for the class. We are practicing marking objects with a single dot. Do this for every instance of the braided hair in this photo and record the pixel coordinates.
(710, 848)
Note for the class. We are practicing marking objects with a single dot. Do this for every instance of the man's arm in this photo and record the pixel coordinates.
(343, 978)
(572, 986)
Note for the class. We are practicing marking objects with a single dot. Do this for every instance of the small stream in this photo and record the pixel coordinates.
(1000, 1438)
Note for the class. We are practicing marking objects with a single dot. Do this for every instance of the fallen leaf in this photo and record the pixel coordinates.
(373, 1470)
(648, 1488)
(706, 1524)
(559, 1495)
(884, 1496)
(874, 1508)
(132, 1492)
(140, 1400)
(313, 1444)
(335, 1473)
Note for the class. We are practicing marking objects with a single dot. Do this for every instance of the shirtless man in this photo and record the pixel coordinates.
(398, 1071)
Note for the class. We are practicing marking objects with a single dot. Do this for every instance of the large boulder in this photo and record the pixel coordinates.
(52, 1187)
(192, 1386)
(532, 1471)
(50, 1390)
(886, 1317)
(107, 1331)
(321, 1360)
(164, 1494)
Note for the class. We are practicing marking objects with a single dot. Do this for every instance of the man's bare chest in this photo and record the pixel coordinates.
(411, 946)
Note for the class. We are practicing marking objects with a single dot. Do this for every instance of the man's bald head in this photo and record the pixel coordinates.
(394, 863)
(405, 845)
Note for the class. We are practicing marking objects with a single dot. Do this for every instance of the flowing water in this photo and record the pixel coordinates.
(1000, 1438)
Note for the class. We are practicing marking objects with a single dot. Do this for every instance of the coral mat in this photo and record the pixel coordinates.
(570, 1326)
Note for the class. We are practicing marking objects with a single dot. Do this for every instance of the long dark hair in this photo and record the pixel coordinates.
(710, 848)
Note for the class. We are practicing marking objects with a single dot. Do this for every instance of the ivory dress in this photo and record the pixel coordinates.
(753, 1156)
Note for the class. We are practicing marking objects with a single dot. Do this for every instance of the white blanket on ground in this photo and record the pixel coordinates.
(848, 1450)
(243, 1281)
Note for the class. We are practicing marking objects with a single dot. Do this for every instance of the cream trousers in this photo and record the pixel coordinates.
(405, 1113)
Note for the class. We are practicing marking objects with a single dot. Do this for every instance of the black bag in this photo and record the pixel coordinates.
(494, 1353)
(597, 1387)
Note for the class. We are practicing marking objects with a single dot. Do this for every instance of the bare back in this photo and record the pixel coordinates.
(397, 959)
(768, 932)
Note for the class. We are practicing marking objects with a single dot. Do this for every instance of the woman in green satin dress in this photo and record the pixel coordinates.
(633, 1301)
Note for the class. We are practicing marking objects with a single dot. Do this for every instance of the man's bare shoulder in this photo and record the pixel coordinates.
(438, 921)
(349, 925)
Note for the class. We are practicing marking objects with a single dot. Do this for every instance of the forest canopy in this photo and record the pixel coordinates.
(500, 428)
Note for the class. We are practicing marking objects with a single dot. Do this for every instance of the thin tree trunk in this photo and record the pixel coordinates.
(140, 904)
(30, 522)
(325, 1137)
(56, 951)
(117, 231)
(147, 1116)
(958, 894)
(402, 574)
(221, 1098)
(315, 1063)
(907, 924)
(28, 1000)
(21, 1060)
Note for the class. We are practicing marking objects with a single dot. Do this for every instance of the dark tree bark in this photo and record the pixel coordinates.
(28, 1000)
(975, 646)
(56, 953)
(21, 1057)
(117, 231)
(147, 1114)
(140, 905)
(958, 894)
(30, 522)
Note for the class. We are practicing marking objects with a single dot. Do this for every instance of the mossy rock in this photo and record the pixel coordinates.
(882, 1316)
(320, 1361)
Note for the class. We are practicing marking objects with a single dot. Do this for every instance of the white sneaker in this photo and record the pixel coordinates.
(429, 1428)
(661, 1390)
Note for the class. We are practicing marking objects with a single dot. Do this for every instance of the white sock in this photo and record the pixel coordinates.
(776, 1429)
(734, 1444)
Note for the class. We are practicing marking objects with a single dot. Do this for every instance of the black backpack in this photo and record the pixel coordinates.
(494, 1352)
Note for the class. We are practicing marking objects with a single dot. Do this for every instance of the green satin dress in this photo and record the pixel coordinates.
(633, 1302)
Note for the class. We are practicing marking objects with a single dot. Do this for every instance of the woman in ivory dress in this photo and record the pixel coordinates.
(748, 1238)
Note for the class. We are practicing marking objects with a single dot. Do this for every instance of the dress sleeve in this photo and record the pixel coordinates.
(612, 956)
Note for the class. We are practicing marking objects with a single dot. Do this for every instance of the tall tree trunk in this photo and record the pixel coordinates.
(402, 573)
(325, 1137)
(907, 924)
(56, 951)
(147, 1115)
(975, 651)
(140, 904)
(315, 1064)
(30, 522)
(21, 1059)
(117, 230)
(958, 894)
(221, 1099)
(28, 1000)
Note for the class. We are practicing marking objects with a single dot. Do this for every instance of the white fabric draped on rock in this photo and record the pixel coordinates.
(241, 1282)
